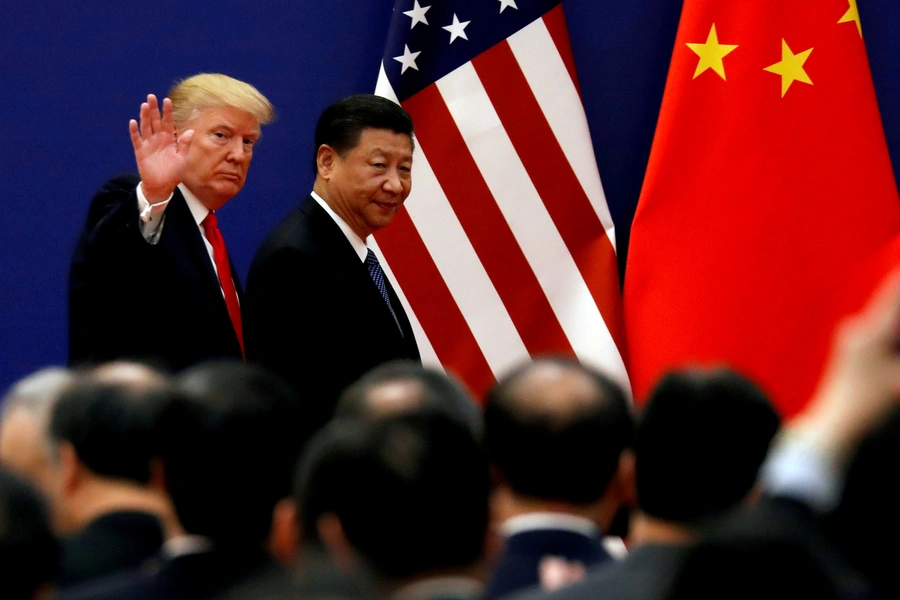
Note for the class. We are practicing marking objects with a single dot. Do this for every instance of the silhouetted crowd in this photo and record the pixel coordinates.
(121, 482)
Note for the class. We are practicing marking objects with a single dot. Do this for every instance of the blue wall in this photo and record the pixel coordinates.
(73, 74)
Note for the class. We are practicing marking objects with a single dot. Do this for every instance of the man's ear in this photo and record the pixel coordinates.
(71, 471)
(326, 157)
(333, 538)
(284, 535)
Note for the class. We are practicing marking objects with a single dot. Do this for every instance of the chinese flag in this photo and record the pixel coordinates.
(768, 190)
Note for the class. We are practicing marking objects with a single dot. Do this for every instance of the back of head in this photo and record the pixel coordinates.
(108, 416)
(341, 124)
(213, 90)
(700, 442)
(400, 387)
(228, 444)
(762, 553)
(24, 425)
(546, 420)
(28, 552)
(867, 515)
(410, 492)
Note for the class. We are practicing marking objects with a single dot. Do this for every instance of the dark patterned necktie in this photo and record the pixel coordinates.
(377, 276)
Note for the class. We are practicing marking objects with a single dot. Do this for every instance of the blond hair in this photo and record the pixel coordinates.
(210, 90)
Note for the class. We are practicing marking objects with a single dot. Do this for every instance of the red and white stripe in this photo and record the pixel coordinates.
(506, 247)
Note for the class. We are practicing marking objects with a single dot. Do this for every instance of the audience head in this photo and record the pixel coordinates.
(25, 447)
(867, 516)
(700, 442)
(401, 387)
(556, 429)
(228, 444)
(28, 552)
(107, 416)
(409, 492)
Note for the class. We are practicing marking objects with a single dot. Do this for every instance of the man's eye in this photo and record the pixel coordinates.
(249, 142)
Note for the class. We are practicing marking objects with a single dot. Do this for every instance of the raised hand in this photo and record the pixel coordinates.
(159, 153)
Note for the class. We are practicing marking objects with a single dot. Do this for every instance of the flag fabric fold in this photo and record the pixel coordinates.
(505, 248)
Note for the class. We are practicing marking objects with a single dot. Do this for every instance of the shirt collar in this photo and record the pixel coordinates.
(196, 207)
(549, 520)
(186, 544)
(359, 245)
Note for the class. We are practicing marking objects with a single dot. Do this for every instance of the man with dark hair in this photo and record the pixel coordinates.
(698, 447)
(111, 503)
(404, 499)
(320, 311)
(28, 552)
(544, 422)
(400, 387)
(227, 443)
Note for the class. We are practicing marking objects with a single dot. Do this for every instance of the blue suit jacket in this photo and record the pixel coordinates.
(518, 567)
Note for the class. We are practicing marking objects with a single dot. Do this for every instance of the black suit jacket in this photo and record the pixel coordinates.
(313, 313)
(519, 565)
(247, 574)
(131, 299)
(111, 543)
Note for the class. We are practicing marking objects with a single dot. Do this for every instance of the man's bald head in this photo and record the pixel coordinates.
(24, 442)
(546, 419)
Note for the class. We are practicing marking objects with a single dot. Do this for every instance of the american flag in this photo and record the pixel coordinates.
(506, 247)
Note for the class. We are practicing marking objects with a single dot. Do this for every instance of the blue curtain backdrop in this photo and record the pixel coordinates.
(73, 73)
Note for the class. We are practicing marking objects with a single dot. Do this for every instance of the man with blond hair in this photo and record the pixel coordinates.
(151, 278)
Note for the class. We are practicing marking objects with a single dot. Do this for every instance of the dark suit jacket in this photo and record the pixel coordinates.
(111, 543)
(519, 566)
(131, 299)
(313, 313)
(219, 574)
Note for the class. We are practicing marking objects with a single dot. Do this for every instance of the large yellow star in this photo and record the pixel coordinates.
(711, 54)
(852, 14)
(790, 68)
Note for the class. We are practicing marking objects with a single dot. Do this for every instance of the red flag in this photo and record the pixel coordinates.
(769, 185)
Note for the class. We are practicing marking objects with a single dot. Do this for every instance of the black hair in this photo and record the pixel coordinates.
(432, 390)
(341, 124)
(110, 424)
(700, 442)
(29, 556)
(543, 452)
(228, 446)
(410, 491)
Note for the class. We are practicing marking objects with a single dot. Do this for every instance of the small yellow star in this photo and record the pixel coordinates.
(790, 68)
(852, 14)
(711, 54)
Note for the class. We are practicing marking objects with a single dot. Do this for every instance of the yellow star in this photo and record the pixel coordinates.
(790, 68)
(852, 14)
(711, 54)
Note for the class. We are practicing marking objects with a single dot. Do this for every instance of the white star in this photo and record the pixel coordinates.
(507, 3)
(408, 59)
(417, 14)
(457, 29)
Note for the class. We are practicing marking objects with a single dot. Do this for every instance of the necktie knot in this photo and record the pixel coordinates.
(210, 223)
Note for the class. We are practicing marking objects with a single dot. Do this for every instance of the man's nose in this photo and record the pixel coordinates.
(393, 183)
(236, 150)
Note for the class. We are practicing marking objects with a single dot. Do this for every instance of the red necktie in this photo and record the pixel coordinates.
(223, 266)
